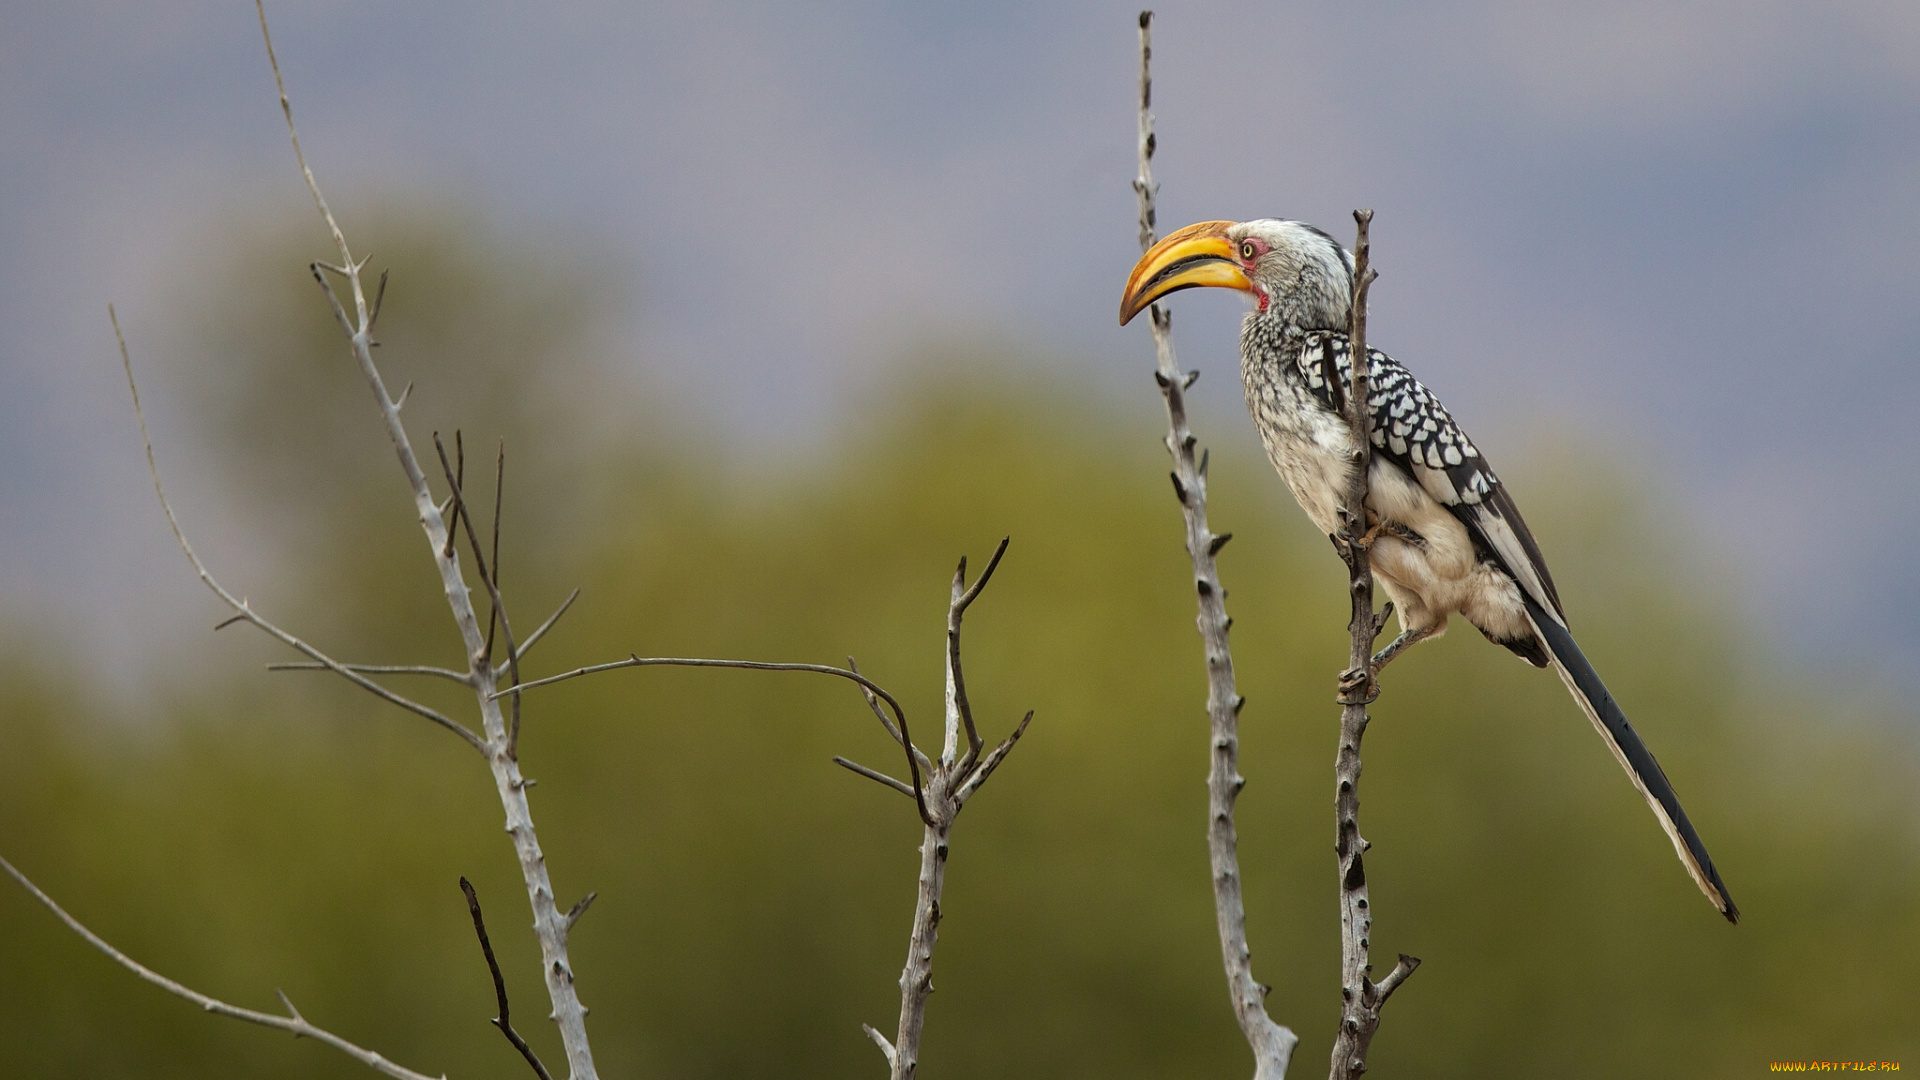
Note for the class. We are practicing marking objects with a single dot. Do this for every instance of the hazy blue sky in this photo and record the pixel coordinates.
(1687, 232)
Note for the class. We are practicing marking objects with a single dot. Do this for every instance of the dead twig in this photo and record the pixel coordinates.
(499, 984)
(499, 490)
(379, 669)
(541, 631)
(877, 777)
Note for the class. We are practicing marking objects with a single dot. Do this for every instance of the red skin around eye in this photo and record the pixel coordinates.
(1260, 295)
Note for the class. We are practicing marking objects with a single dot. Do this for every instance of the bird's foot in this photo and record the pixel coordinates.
(1358, 686)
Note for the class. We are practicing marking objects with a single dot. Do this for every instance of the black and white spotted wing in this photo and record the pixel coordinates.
(1410, 427)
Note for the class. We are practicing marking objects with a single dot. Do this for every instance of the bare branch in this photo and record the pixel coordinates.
(294, 1024)
(899, 714)
(1361, 1000)
(380, 669)
(527, 645)
(880, 1041)
(1272, 1043)
(877, 777)
(240, 607)
(499, 984)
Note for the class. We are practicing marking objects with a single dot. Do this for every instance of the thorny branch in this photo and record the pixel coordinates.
(499, 983)
(1272, 1043)
(293, 1023)
(1361, 998)
(550, 925)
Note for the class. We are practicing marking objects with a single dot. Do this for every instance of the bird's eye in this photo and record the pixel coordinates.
(1247, 250)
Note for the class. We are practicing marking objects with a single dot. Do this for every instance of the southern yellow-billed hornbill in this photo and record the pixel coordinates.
(1447, 536)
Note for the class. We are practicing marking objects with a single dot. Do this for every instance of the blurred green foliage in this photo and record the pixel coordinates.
(280, 831)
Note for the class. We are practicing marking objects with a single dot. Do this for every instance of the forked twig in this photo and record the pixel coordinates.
(962, 598)
(499, 984)
(953, 779)
(294, 1024)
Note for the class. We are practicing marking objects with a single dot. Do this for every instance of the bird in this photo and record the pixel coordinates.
(1443, 535)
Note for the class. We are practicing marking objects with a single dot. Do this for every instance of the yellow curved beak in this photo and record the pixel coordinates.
(1196, 256)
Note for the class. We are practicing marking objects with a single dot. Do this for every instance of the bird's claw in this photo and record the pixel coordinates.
(1358, 686)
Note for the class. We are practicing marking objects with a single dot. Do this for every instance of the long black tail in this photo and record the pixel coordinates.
(1633, 755)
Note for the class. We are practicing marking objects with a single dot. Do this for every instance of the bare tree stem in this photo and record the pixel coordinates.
(549, 922)
(1361, 999)
(916, 978)
(1272, 1043)
(293, 1024)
